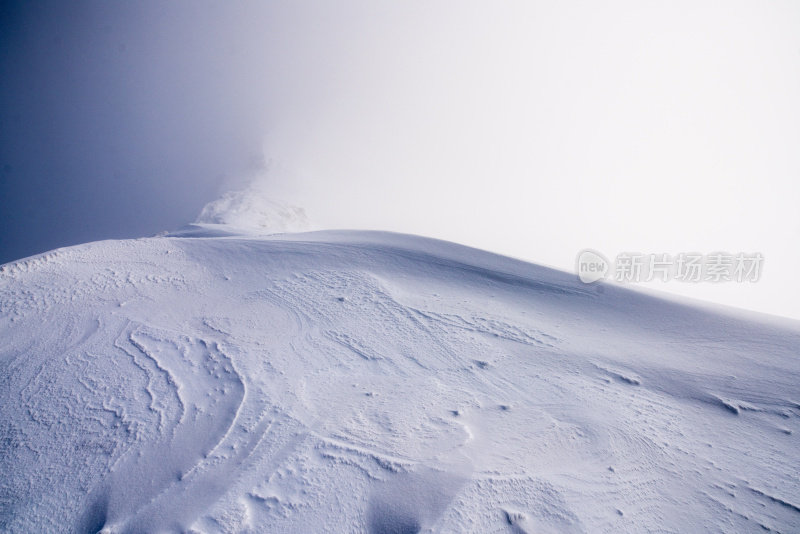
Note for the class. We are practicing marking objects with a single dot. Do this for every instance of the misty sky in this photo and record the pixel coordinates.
(534, 129)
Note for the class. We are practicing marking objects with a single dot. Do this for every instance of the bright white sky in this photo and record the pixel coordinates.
(540, 129)
(531, 128)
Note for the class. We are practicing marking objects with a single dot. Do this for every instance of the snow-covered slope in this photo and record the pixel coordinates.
(372, 382)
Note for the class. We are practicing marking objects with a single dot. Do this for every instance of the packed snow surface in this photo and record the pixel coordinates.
(209, 381)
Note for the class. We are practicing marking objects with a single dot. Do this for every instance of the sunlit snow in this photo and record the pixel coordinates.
(209, 381)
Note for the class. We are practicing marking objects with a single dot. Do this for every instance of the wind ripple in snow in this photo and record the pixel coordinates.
(378, 383)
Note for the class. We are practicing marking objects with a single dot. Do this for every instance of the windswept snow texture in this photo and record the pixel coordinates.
(249, 209)
(379, 383)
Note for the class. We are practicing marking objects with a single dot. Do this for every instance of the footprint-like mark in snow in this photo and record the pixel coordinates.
(409, 502)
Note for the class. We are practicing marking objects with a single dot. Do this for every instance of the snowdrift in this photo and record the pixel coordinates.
(371, 382)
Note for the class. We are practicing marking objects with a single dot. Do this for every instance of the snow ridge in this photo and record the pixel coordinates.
(221, 381)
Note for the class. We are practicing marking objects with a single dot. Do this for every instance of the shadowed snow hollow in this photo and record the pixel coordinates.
(250, 209)
(209, 381)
